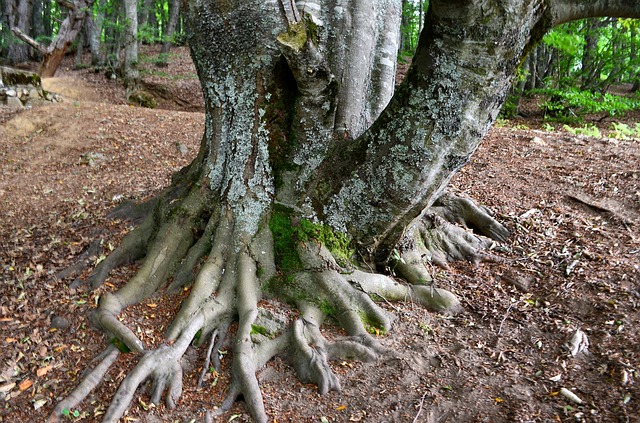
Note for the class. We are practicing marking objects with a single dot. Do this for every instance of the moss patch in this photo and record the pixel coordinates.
(285, 239)
(288, 235)
(372, 326)
(260, 330)
(338, 243)
(295, 37)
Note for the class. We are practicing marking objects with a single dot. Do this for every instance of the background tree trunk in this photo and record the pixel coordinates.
(174, 14)
(37, 19)
(113, 33)
(94, 34)
(130, 71)
(590, 69)
(20, 12)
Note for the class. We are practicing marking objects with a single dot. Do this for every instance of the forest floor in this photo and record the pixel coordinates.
(572, 263)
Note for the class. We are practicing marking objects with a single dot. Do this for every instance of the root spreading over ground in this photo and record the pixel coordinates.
(190, 240)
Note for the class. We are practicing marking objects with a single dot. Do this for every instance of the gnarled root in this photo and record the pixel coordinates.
(465, 212)
(233, 268)
(453, 229)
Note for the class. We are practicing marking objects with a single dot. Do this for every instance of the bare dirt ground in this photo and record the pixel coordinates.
(572, 263)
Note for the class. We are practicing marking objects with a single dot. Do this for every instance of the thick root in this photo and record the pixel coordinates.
(466, 213)
(162, 366)
(90, 380)
(310, 353)
(453, 229)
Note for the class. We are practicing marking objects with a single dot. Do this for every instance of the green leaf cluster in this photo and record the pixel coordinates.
(572, 103)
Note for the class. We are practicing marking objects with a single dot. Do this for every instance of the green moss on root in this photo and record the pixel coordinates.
(285, 239)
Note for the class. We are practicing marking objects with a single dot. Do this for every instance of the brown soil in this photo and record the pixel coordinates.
(572, 262)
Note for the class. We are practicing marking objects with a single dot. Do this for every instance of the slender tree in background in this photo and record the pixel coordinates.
(130, 72)
(590, 72)
(306, 187)
(174, 14)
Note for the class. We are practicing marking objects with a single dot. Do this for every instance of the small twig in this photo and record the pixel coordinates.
(505, 318)
(415, 419)
(386, 301)
(208, 358)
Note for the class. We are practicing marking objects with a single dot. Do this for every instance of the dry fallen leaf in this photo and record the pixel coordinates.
(43, 370)
(25, 384)
(7, 387)
(39, 403)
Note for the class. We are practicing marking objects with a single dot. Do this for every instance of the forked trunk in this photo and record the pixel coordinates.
(67, 33)
(281, 89)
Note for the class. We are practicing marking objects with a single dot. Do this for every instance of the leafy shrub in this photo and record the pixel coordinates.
(572, 103)
(588, 130)
(622, 131)
(509, 108)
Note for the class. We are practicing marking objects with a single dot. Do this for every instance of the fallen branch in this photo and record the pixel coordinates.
(415, 419)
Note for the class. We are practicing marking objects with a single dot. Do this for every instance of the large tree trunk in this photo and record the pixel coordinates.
(301, 162)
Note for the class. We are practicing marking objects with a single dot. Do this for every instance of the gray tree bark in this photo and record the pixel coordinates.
(130, 71)
(94, 33)
(19, 17)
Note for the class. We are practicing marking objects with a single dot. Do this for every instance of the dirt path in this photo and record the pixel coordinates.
(572, 263)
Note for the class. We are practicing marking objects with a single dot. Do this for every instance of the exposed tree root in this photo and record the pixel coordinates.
(465, 212)
(90, 380)
(453, 229)
(233, 270)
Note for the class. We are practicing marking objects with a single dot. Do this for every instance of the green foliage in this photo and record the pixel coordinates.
(410, 26)
(148, 34)
(595, 53)
(70, 414)
(565, 40)
(547, 127)
(588, 130)
(509, 108)
(622, 131)
(573, 102)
